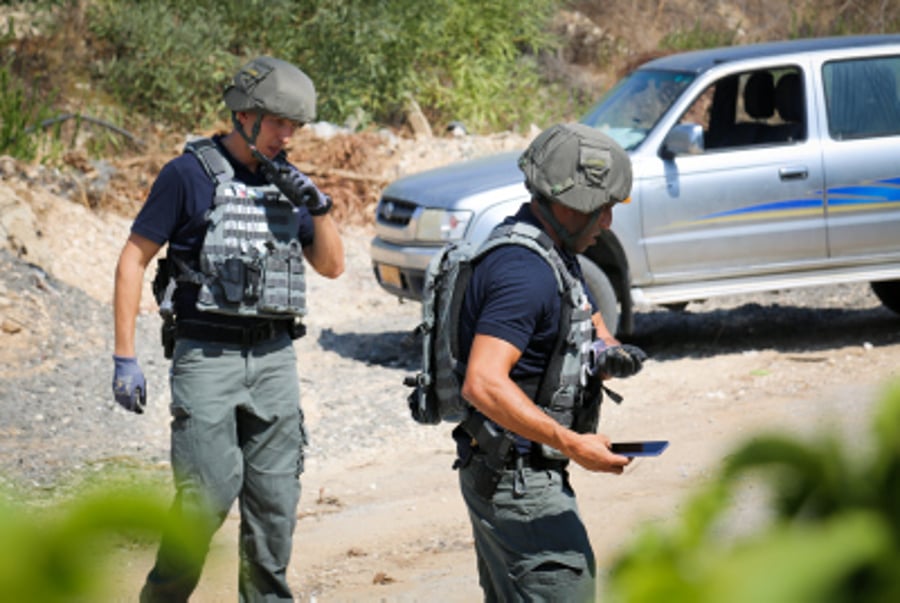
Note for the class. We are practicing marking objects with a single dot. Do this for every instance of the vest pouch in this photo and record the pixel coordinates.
(274, 295)
(231, 278)
(251, 283)
(586, 417)
(284, 287)
(296, 285)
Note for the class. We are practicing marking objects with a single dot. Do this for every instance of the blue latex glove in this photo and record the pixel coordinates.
(305, 192)
(616, 361)
(129, 386)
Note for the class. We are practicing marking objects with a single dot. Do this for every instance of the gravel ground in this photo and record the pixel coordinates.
(57, 415)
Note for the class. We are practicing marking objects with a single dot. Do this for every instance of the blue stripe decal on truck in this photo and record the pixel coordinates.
(879, 195)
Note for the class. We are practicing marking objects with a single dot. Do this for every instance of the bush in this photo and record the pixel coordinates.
(58, 551)
(21, 111)
(462, 59)
(834, 533)
(459, 59)
(696, 38)
(22, 107)
(168, 64)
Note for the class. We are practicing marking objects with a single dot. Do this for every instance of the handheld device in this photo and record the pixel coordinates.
(648, 448)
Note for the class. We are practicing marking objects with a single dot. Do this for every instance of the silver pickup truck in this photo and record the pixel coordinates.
(757, 167)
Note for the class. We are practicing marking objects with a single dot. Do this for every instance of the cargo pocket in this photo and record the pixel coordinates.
(555, 577)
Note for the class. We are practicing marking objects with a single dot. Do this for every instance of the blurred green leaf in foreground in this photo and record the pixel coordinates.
(59, 553)
(832, 534)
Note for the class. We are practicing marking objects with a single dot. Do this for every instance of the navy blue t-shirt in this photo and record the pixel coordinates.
(175, 213)
(513, 295)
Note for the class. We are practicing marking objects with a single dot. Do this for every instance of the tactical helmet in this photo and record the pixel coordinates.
(578, 166)
(273, 86)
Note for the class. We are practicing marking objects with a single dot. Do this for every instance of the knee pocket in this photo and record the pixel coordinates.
(563, 577)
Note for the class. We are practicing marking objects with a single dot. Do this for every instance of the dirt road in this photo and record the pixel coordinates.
(384, 521)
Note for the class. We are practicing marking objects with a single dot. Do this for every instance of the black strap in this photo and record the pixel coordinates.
(243, 336)
(214, 164)
(536, 460)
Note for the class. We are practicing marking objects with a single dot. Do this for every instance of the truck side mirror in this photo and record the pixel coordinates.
(683, 139)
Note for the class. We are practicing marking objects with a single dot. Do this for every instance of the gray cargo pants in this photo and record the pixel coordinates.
(237, 433)
(531, 547)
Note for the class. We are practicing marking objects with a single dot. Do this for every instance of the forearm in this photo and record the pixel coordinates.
(504, 402)
(129, 282)
(126, 302)
(602, 332)
(489, 388)
(326, 254)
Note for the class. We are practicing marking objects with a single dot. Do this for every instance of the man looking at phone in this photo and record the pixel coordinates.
(528, 338)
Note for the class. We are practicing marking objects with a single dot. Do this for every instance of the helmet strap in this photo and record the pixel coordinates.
(567, 239)
(251, 140)
(257, 124)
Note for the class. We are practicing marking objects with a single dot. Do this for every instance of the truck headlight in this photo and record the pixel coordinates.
(441, 225)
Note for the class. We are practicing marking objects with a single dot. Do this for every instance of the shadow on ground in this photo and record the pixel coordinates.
(393, 349)
(669, 335)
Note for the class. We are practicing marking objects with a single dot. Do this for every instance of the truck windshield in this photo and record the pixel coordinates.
(631, 109)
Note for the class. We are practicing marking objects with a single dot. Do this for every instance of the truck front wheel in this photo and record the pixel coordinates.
(603, 293)
(888, 292)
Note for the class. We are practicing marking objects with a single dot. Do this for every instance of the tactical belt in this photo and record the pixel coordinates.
(536, 460)
(243, 336)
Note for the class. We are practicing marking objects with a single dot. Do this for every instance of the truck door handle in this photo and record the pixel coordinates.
(793, 173)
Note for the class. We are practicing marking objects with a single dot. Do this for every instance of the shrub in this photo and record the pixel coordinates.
(58, 551)
(21, 111)
(460, 59)
(22, 108)
(168, 64)
(696, 38)
(833, 535)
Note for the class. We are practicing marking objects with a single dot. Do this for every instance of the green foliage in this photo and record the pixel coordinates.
(258, 26)
(165, 60)
(21, 111)
(58, 552)
(696, 38)
(491, 81)
(462, 59)
(834, 535)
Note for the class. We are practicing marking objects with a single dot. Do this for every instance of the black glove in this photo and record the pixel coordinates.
(295, 185)
(303, 191)
(616, 361)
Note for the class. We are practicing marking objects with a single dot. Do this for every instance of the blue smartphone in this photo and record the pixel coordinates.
(649, 448)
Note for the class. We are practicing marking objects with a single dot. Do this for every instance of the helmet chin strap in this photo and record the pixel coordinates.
(567, 239)
(251, 140)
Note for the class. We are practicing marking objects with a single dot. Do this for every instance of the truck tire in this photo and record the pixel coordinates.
(888, 292)
(603, 293)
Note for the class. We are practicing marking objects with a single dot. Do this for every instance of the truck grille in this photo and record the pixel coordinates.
(394, 211)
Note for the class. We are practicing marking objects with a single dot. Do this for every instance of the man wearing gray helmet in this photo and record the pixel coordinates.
(528, 340)
(240, 222)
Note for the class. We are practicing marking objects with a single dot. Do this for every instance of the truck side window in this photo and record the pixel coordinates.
(742, 110)
(862, 98)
